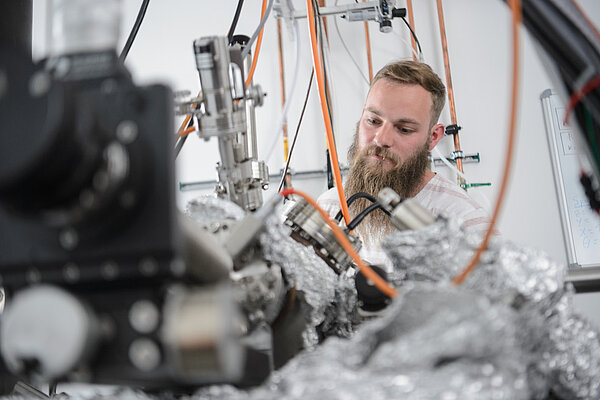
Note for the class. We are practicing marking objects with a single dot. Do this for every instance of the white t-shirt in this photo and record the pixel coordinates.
(439, 195)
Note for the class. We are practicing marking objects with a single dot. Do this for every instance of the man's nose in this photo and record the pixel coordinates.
(384, 136)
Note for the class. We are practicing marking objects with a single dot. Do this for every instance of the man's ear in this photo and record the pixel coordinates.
(437, 133)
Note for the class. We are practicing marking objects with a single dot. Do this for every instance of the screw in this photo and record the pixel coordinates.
(148, 266)
(144, 354)
(127, 131)
(39, 84)
(110, 270)
(71, 272)
(144, 316)
(68, 238)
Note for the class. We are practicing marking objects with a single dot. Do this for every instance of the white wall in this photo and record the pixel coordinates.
(480, 55)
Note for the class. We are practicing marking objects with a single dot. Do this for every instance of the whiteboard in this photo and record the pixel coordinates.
(581, 226)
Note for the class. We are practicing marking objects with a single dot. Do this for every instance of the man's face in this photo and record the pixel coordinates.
(395, 121)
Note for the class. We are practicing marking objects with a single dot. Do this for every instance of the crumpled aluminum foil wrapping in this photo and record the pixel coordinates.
(208, 208)
(434, 342)
(329, 301)
(563, 349)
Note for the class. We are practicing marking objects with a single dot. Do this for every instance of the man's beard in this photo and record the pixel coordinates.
(370, 176)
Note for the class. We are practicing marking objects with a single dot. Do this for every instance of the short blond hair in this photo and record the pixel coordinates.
(416, 73)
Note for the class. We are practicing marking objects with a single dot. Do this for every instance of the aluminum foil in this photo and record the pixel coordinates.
(328, 301)
(434, 342)
(562, 348)
(211, 208)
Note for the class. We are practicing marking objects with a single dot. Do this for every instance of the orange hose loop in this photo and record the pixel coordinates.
(325, 111)
(516, 12)
(379, 283)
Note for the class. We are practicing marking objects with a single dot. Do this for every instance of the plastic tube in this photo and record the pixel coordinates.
(283, 118)
(258, 30)
(449, 164)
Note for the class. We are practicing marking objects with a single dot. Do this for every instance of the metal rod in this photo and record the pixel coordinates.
(300, 175)
(331, 10)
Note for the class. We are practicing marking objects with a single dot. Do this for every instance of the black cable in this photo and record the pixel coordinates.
(413, 34)
(182, 139)
(359, 195)
(287, 164)
(134, 30)
(236, 18)
(359, 218)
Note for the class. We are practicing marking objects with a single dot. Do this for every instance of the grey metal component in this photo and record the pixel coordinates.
(366, 9)
(466, 159)
(250, 141)
(406, 213)
(228, 113)
(205, 258)
(221, 116)
(144, 354)
(201, 333)
(261, 290)
(297, 175)
(309, 228)
(47, 331)
(144, 316)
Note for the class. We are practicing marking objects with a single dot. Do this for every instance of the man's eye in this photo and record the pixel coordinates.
(372, 121)
(404, 130)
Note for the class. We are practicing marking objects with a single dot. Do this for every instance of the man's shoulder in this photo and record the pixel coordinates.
(440, 188)
(329, 196)
(441, 195)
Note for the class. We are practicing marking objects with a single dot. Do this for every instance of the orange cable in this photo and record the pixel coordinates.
(451, 102)
(325, 111)
(516, 12)
(368, 45)
(187, 131)
(257, 48)
(379, 282)
(411, 20)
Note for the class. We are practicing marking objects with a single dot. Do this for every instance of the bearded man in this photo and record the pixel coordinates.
(397, 130)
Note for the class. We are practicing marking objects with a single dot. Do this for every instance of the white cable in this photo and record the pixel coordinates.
(419, 56)
(248, 47)
(337, 29)
(290, 96)
(448, 163)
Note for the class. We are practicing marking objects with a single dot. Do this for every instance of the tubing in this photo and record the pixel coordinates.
(440, 10)
(282, 86)
(516, 12)
(326, 118)
(379, 283)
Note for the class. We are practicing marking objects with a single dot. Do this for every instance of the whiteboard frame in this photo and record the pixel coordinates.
(587, 278)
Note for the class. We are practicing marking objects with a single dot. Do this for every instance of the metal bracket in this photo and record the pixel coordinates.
(466, 158)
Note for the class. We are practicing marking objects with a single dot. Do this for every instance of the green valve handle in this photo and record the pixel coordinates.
(466, 186)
